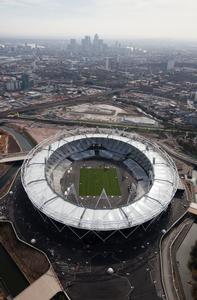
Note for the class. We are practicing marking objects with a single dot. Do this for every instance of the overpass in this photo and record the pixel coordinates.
(12, 157)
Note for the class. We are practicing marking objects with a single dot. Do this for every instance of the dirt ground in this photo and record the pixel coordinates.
(39, 132)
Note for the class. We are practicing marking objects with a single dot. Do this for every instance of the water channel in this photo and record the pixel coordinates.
(12, 281)
(11, 278)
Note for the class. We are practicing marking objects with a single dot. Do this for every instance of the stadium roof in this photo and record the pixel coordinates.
(149, 206)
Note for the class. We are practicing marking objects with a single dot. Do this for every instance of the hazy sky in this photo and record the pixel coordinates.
(110, 18)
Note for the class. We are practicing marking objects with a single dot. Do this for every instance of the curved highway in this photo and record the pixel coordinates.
(24, 144)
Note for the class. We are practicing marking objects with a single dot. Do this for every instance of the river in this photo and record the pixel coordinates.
(11, 278)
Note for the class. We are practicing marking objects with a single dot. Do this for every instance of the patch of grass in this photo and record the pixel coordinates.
(94, 180)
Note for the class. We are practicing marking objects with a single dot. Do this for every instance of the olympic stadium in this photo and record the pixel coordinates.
(99, 180)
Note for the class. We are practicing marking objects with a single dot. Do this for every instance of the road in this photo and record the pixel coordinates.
(68, 101)
(178, 155)
(22, 141)
(101, 98)
(24, 145)
(117, 125)
(99, 124)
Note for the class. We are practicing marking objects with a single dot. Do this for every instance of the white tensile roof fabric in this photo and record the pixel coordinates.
(149, 206)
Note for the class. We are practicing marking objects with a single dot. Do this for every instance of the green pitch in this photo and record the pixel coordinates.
(94, 180)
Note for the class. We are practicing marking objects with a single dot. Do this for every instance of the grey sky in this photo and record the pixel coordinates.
(111, 18)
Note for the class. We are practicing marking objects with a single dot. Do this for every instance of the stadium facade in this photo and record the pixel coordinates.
(51, 179)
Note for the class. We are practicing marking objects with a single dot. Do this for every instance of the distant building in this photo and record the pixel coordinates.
(96, 40)
(73, 43)
(87, 46)
(13, 85)
(25, 82)
(107, 63)
(86, 43)
(98, 44)
(170, 65)
(73, 47)
(33, 95)
(195, 97)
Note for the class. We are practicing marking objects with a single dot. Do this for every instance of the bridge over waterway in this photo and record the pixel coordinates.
(13, 157)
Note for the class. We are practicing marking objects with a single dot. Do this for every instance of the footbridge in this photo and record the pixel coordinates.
(12, 157)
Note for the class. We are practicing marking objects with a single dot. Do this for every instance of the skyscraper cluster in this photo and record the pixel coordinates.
(87, 46)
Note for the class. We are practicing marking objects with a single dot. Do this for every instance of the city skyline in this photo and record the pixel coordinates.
(174, 19)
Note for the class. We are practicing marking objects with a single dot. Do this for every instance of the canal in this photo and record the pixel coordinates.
(9, 174)
(11, 278)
